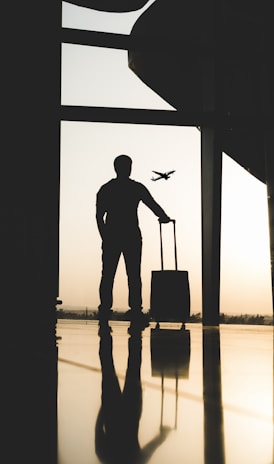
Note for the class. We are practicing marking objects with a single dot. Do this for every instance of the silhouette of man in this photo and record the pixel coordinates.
(117, 219)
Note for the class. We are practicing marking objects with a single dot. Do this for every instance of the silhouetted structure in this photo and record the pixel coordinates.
(215, 59)
(31, 110)
(29, 227)
(117, 219)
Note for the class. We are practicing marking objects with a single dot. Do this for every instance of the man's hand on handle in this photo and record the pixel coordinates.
(164, 219)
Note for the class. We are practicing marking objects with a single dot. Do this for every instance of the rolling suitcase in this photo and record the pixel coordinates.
(169, 292)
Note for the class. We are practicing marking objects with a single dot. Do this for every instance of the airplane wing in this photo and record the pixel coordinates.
(170, 172)
(159, 173)
(156, 178)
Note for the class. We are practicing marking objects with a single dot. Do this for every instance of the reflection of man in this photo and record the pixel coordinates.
(117, 424)
(117, 220)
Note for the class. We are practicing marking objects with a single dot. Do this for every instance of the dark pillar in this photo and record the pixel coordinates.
(211, 173)
(29, 225)
(211, 163)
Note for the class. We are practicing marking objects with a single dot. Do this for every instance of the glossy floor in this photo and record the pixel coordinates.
(194, 396)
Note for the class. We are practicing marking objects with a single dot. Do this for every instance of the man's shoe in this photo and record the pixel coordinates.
(139, 321)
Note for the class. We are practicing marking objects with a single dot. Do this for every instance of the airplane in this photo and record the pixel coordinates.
(162, 175)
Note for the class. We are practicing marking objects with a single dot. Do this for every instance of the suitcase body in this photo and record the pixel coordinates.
(169, 292)
(170, 296)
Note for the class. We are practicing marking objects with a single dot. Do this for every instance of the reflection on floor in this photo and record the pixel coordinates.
(193, 395)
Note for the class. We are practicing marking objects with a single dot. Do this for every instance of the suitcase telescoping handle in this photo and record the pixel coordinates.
(175, 246)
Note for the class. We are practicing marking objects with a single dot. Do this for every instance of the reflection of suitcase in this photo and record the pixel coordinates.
(170, 352)
(170, 358)
(169, 296)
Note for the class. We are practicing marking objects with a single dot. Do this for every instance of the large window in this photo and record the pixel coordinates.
(87, 154)
(95, 76)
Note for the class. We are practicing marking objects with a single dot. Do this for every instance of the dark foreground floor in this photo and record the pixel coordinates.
(194, 396)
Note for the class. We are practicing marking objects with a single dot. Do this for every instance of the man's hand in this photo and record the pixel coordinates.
(164, 219)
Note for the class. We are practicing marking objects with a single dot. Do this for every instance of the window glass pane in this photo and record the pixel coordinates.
(87, 154)
(95, 76)
(76, 17)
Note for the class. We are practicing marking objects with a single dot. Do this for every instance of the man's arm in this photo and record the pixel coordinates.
(149, 201)
(100, 212)
(100, 224)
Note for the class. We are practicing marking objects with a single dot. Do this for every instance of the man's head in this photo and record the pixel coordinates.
(122, 166)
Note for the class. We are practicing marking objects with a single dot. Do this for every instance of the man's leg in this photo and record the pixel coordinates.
(110, 258)
(132, 252)
(132, 255)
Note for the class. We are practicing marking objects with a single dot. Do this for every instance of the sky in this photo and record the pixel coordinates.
(100, 77)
